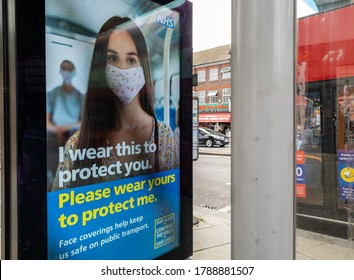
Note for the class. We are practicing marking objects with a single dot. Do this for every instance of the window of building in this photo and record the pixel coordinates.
(213, 96)
(201, 76)
(213, 99)
(213, 74)
(226, 73)
(201, 95)
(226, 94)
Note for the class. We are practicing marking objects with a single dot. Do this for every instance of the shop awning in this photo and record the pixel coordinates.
(220, 117)
(212, 92)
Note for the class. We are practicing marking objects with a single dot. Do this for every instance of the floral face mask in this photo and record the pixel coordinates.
(125, 83)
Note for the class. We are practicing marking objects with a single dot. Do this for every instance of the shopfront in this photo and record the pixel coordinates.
(211, 115)
(325, 130)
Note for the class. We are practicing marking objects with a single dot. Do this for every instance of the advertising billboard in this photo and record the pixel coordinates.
(116, 180)
(117, 112)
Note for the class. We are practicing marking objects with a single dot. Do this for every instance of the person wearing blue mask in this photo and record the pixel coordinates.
(64, 104)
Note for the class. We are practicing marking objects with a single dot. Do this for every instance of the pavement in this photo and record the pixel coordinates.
(212, 240)
(221, 151)
(212, 235)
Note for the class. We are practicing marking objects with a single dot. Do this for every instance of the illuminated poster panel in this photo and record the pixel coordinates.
(113, 175)
(346, 174)
(300, 174)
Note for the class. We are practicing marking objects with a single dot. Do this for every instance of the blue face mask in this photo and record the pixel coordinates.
(67, 76)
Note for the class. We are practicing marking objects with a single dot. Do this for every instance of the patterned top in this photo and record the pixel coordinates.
(167, 152)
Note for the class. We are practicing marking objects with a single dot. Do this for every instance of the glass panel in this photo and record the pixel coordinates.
(345, 137)
(325, 116)
(309, 143)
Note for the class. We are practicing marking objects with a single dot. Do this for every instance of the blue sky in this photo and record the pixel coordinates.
(311, 3)
(306, 7)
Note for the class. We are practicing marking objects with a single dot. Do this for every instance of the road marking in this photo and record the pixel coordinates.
(208, 207)
(225, 209)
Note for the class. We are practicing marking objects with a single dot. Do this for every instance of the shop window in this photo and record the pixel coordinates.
(325, 120)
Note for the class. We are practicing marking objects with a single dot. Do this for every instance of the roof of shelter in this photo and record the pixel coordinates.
(212, 55)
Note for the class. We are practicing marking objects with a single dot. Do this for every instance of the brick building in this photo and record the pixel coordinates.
(213, 70)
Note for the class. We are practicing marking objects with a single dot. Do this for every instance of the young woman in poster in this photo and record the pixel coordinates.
(118, 119)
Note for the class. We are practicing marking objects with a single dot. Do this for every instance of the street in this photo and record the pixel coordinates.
(212, 180)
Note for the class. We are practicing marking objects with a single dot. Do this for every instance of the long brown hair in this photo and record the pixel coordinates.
(100, 112)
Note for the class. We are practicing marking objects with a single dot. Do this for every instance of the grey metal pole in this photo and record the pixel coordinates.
(263, 63)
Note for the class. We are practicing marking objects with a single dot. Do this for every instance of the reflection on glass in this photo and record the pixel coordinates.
(325, 118)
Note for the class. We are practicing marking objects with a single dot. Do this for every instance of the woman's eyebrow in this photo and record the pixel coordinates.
(112, 51)
(132, 53)
(129, 53)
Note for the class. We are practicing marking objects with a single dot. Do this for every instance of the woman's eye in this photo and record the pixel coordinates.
(132, 61)
(112, 58)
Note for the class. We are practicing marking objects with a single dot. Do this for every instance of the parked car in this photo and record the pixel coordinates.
(210, 138)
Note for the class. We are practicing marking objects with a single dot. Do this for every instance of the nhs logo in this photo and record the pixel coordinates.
(166, 21)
